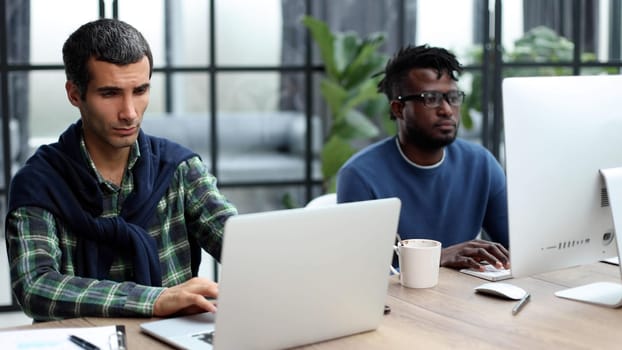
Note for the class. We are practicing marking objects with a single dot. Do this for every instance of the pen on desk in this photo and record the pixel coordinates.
(121, 341)
(520, 304)
(83, 343)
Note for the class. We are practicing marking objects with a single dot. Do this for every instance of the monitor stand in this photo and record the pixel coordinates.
(604, 293)
(601, 293)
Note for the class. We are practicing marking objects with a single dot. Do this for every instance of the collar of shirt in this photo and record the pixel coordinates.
(134, 156)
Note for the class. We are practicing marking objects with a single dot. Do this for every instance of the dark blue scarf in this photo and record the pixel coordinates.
(57, 178)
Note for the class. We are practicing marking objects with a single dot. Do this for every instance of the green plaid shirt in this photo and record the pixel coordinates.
(42, 249)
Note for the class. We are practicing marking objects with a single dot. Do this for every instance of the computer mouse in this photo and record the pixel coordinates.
(502, 290)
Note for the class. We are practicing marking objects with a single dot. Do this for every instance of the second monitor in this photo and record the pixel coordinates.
(559, 133)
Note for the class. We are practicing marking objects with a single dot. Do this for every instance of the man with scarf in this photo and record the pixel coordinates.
(109, 221)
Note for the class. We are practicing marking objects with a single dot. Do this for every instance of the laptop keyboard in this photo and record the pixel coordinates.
(207, 337)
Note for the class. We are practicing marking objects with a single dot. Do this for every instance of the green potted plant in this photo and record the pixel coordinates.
(540, 44)
(358, 112)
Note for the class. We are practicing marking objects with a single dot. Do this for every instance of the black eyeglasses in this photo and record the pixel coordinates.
(433, 99)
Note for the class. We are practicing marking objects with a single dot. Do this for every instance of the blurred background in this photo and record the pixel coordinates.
(239, 80)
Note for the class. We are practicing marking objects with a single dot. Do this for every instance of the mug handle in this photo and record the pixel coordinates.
(393, 270)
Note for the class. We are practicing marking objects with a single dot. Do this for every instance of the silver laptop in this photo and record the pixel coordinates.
(295, 277)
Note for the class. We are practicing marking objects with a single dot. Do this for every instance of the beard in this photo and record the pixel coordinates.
(424, 140)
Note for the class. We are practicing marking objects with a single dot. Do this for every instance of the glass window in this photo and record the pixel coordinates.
(190, 32)
(262, 110)
(48, 28)
(188, 129)
(262, 127)
(430, 30)
(512, 23)
(2, 217)
(471, 124)
(148, 17)
(49, 111)
(600, 70)
(5, 281)
(614, 31)
(608, 29)
(293, 34)
(190, 92)
(249, 91)
(188, 35)
(536, 71)
(548, 30)
(4, 145)
(365, 17)
(249, 32)
(157, 93)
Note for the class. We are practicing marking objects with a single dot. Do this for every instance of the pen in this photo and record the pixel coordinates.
(121, 341)
(520, 304)
(83, 343)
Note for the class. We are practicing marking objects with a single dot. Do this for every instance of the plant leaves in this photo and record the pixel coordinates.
(335, 97)
(350, 92)
(377, 107)
(367, 61)
(324, 39)
(390, 126)
(335, 152)
(357, 73)
(466, 120)
(355, 125)
(345, 47)
(365, 92)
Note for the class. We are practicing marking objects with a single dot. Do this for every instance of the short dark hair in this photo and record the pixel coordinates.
(107, 40)
(410, 57)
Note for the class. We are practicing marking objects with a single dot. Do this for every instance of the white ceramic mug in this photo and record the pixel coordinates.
(419, 261)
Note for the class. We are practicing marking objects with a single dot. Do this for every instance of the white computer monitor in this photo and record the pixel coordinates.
(560, 132)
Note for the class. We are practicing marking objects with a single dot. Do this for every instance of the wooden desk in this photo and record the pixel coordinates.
(451, 315)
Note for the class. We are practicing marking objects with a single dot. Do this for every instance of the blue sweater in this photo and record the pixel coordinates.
(450, 202)
(57, 178)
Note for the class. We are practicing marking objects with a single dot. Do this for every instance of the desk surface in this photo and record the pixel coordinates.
(451, 315)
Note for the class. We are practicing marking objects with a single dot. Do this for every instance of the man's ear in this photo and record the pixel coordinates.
(73, 93)
(396, 108)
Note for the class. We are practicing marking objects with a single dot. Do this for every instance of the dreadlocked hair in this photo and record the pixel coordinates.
(410, 57)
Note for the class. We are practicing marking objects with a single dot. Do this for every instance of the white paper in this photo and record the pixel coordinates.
(58, 338)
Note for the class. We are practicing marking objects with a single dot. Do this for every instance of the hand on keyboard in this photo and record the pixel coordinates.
(490, 273)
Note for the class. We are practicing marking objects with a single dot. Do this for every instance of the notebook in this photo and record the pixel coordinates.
(295, 277)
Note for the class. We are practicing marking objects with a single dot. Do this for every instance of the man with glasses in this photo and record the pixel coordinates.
(450, 189)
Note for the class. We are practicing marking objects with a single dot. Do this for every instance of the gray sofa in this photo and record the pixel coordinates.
(253, 146)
